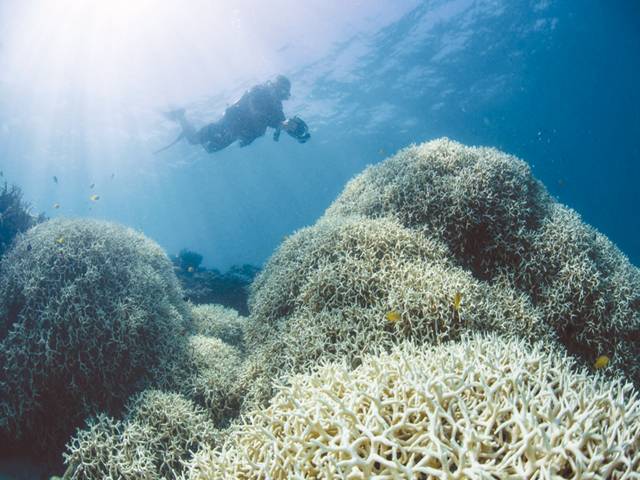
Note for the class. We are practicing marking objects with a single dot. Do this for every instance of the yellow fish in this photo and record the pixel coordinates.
(601, 362)
(94, 198)
(393, 316)
(60, 240)
(56, 205)
(457, 299)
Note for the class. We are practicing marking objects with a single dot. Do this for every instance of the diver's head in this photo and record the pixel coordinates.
(282, 86)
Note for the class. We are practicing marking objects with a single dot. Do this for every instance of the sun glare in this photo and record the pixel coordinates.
(118, 47)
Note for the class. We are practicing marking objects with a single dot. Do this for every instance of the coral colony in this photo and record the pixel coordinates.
(445, 318)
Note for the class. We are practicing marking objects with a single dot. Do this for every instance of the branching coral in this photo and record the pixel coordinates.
(485, 407)
(221, 322)
(374, 244)
(110, 449)
(14, 216)
(160, 432)
(349, 274)
(91, 312)
(481, 202)
(213, 373)
(586, 288)
(499, 222)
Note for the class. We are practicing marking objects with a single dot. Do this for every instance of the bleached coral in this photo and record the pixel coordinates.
(348, 275)
(110, 449)
(219, 321)
(15, 216)
(484, 407)
(90, 313)
(480, 201)
(211, 382)
(500, 223)
(373, 244)
(160, 432)
(586, 288)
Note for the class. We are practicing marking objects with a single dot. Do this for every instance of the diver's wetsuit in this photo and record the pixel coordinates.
(245, 120)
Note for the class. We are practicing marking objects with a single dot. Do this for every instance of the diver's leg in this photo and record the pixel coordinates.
(188, 131)
(215, 136)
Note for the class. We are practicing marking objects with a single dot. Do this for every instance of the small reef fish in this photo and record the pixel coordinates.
(92, 185)
(60, 240)
(601, 362)
(56, 205)
(113, 175)
(457, 299)
(393, 316)
(94, 198)
(190, 269)
(55, 179)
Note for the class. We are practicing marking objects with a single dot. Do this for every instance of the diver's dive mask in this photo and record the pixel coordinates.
(298, 129)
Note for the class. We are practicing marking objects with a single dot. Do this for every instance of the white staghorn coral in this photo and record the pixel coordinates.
(158, 434)
(348, 274)
(484, 407)
(90, 313)
(213, 373)
(218, 321)
(480, 201)
(499, 223)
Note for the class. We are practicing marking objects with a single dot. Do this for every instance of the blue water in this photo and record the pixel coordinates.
(81, 97)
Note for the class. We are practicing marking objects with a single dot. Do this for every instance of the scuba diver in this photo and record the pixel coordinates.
(245, 120)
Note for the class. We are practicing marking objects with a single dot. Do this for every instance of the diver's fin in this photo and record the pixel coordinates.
(180, 137)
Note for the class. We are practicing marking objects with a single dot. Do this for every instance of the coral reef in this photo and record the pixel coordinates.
(203, 286)
(91, 312)
(159, 433)
(432, 324)
(484, 407)
(376, 245)
(479, 201)
(585, 287)
(188, 260)
(213, 374)
(221, 322)
(14, 216)
(328, 290)
(502, 225)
